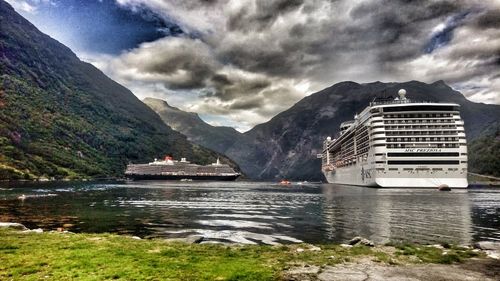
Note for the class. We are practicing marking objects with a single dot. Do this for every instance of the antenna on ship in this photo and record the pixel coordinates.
(402, 94)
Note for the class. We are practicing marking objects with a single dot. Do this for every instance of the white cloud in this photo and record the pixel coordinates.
(23, 6)
(28, 6)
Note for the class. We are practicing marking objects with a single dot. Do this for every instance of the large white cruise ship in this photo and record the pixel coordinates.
(399, 143)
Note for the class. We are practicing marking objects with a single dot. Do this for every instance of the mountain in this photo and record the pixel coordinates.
(191, 125)
(286, 146)
(484, 152)
(61, 117)
(292, 138)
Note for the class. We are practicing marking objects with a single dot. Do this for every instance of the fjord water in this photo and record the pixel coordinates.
(256, 212)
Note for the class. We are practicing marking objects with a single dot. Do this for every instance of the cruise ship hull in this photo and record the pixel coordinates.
(181, 177)
(356, 175)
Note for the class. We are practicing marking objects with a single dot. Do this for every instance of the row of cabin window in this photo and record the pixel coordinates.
(426, 169)
(444, 133)
(383, 154)
(417, 127)
(422, 139)
(419, 121)
(419, 115)
(409, 145)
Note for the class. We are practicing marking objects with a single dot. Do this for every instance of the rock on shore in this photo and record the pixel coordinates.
(13, 225)
(492, 249)
(358, 240)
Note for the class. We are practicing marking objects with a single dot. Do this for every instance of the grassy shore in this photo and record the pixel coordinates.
(64, 256)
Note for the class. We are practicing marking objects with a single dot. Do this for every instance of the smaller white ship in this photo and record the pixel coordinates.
(170, 169)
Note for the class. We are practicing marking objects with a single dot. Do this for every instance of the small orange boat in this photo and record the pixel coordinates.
(285, 182)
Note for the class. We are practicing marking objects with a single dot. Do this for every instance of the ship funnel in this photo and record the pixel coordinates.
(402, 94)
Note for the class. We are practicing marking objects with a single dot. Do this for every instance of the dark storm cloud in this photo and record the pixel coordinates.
(391, 33)
(221, 80)
(197, 71)
(488, 19)
(273, 61)
(231, 87)
(179, 63)
(264, 14)
(249, 56)
(255, 102)
(398, 31)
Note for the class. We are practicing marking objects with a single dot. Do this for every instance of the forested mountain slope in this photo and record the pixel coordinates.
(61, 117)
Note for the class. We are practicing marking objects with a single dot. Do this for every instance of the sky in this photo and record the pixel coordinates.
(240, 62)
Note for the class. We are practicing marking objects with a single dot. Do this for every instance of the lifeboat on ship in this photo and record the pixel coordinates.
(329, 168)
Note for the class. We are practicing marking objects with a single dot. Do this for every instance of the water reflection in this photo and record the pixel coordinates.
(485, 214)
(385, 215)
(257, 212)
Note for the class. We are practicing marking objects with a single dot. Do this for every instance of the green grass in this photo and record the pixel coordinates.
(429, 254)
(57, 256)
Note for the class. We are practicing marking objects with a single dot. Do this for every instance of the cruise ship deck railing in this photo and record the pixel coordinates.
(399, 102)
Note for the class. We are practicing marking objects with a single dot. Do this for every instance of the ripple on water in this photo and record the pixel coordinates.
(65, 189)
(248, 216)
(222, 205)
(28, 196)
(239, 236)
(236, 223)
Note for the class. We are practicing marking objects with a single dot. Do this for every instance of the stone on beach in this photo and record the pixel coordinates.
(492, 249)
(304, 269)
(314, 248)
(37, 230)
(437, 246)
(311, 248)
(487, 245)
(358, 240)
(13, 225)
(194, 239)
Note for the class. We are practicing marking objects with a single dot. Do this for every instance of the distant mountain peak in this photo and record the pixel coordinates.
(158, 101)
(163, 105)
